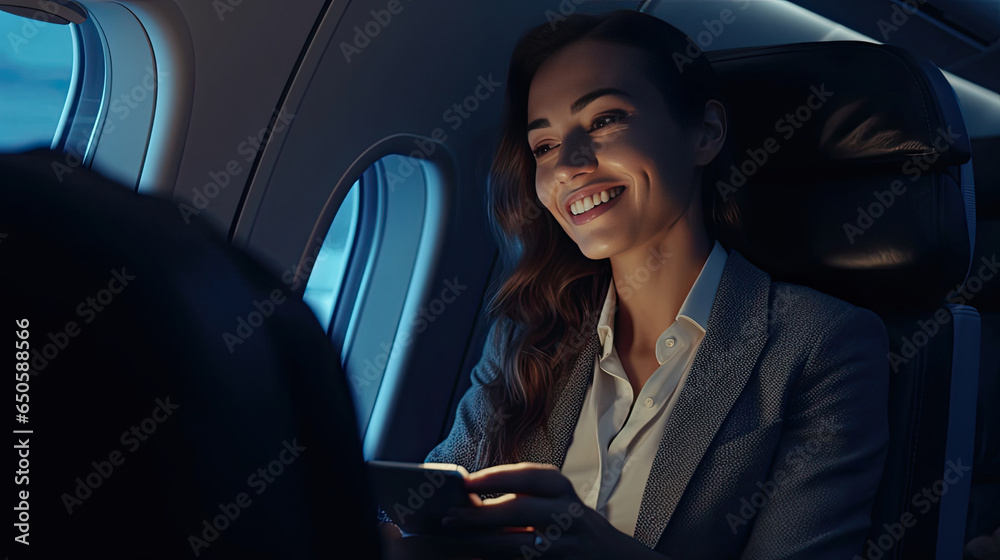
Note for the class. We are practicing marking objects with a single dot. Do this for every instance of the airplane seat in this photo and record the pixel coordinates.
(851, 164)
(984, 506)
(182, 402)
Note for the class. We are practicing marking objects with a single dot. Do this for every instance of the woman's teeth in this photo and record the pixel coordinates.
(585, 204)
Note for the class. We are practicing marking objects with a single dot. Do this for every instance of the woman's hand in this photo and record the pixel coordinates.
(542, 517)
(985, 547)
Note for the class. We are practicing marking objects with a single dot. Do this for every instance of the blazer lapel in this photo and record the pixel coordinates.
(551, 447)
(734, 338)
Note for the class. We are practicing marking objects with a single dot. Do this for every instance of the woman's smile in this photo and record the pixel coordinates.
(586, 205)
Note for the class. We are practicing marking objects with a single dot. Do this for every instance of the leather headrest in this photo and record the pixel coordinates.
(849, 155)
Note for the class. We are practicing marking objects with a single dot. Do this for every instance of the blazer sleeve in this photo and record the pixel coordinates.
(476, 418)
(832, 449)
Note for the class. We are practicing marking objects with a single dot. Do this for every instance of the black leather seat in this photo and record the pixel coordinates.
(853, 160)
(183, 403)
(984, 505)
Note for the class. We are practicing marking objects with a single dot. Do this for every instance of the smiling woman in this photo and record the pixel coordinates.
(654, 399)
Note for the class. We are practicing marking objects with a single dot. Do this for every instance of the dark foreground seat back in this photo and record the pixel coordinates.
(853, 163)
(182, 402)
(984, 504)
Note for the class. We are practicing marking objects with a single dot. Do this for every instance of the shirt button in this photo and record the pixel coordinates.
(649, 402)
(670, 342)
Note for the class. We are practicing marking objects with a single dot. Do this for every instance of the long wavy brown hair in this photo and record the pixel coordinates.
(549, 302)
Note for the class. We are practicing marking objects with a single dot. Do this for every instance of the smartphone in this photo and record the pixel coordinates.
(417, 495)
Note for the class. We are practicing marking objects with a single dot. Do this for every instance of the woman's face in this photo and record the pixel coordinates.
(614, 167)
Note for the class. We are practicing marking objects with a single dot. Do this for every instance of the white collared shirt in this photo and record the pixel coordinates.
(612, 451)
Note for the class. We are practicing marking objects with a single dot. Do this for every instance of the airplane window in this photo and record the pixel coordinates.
(377, 310)
(36, 68)
(331, 263)
(367, 279)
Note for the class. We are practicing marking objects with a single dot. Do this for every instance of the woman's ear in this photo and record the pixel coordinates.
(711, 133)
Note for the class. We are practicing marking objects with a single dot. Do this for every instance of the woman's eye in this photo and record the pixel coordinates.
(542, 150)
(607, 119)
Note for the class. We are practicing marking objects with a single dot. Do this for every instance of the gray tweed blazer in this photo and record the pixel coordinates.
(777, 441)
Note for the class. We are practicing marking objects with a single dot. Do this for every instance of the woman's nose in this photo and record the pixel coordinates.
(578, 154)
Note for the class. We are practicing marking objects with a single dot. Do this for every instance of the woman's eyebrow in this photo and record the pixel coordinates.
(579, 105)
(538, 123)
(587, 99)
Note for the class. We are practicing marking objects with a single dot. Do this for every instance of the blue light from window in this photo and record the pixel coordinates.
(36, 65)
(331, 263)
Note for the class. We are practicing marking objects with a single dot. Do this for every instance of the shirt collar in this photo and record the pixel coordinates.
(607, 320)
(696, 307)
(698, 303)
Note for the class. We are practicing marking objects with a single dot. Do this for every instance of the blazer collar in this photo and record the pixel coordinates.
(734, 339)
(737, 331)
